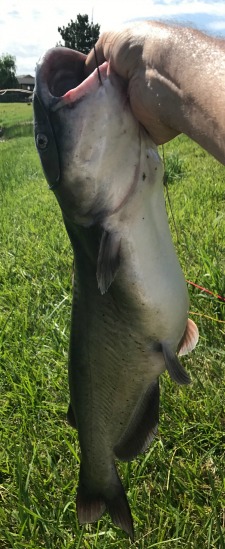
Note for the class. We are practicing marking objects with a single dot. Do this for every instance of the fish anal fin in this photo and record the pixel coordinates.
(189, 339)
(92, 503)
(142, 427)
(108, 260)
(71, 417)
(174, 367)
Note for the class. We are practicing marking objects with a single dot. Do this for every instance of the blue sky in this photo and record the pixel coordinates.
(28, 28)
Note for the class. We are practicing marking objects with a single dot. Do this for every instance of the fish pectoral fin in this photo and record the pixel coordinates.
(189, 339)
(71, 417)
(174, 367)
(108, 259)
(91, 504)
(142, 427)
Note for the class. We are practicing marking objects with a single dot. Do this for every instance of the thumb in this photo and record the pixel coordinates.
(96, 56)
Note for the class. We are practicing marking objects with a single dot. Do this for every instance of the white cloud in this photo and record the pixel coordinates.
(29, 28)
(217, 25)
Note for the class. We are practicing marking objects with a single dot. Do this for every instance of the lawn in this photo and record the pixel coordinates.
(16, 119)
(15, 113)
(176, 490)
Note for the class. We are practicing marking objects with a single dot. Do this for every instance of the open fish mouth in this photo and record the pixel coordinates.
(60, 81)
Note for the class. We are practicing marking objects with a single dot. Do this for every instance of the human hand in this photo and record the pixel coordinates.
(135, 54)
(175, 80)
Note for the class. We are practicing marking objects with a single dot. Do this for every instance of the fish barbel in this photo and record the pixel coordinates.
(130, 301)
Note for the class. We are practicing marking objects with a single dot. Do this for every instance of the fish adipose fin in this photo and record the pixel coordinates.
(174, 367)
(142, 427)
(91, 505)
(189, 339)
(70, 417)
(108, 260)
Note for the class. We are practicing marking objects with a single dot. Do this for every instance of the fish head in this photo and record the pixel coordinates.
(87, 138)
(57, 71)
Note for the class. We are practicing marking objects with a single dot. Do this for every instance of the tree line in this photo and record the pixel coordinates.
(78, 35)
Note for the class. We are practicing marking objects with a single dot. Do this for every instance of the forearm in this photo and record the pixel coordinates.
(176, 80)
(189, 72)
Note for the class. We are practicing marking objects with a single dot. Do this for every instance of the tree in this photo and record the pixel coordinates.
(8, 71)
(80, 34)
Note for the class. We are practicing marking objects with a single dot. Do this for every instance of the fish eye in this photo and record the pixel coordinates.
(41, 141)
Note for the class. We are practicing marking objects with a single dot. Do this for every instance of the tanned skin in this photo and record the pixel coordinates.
(176, 80)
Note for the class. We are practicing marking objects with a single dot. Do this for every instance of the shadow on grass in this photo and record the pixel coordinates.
(18, 130)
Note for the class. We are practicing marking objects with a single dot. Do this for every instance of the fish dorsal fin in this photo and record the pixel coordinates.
(174, 367)
(189, 339)
(108, 259)
(142, 427)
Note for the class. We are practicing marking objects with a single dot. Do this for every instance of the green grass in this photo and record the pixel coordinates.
(16, 120)
(15, 113)
(177, 489)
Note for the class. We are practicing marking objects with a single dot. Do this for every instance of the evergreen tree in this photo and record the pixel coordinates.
(80, 34)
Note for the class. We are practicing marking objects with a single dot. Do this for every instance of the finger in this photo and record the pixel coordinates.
(114, 47)
(97, 55)
(94, 58)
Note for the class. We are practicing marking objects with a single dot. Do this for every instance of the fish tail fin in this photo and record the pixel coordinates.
(119, 509)
(91, 504)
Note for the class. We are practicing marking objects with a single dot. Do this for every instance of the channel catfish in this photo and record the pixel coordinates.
(130, 301)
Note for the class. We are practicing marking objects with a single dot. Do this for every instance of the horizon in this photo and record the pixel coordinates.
(21, 24)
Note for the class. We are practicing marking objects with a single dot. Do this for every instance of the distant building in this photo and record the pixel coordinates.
(26, 82)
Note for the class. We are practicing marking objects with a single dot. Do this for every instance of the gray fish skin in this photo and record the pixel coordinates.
(130, 303)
